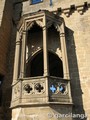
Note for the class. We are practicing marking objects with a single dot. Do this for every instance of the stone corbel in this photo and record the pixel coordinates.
(66, 12)
(86, 6)
(69, 11)
(72, 9)
(80, 9)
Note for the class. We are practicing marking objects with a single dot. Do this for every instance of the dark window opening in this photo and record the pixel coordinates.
(35, 28)
(1, 81)
(34, 39)
(55, 65)
(35, 67)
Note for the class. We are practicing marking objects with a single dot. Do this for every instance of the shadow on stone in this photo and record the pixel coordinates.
(76, 90)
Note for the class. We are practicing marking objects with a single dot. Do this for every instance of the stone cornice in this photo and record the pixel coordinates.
(82, 8)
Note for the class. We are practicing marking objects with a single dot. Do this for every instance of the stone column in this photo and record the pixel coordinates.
(64, 52)
(23, 55)
(45, 49)
(17, 58)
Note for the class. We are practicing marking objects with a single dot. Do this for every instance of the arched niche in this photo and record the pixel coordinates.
(35, 65)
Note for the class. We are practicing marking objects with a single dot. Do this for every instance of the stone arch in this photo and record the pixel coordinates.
(55, 24)
(36, 67)
(31, 24)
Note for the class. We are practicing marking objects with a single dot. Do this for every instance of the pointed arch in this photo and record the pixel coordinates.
(31, 24)
(35, 66)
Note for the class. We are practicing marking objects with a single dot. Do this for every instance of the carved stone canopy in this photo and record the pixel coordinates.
(42, 18)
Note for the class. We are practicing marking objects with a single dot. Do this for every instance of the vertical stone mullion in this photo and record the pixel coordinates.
(64, 52)
(45, 49)
(23, 55)
(17, 58)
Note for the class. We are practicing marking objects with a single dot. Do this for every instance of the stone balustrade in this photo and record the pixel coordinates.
(41, 90)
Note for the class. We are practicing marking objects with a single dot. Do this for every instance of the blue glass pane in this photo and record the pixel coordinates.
(36, 1)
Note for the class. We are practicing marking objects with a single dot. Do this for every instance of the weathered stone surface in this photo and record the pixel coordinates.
(53, 112)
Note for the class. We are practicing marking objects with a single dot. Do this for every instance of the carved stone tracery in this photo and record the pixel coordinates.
(30, 24)
(28, 88)
(39, 87)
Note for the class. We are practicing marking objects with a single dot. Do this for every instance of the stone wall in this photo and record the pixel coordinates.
(52, 112)
(78, 45)
(5, 34)
(6, 55)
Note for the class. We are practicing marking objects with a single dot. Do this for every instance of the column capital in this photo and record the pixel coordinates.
(18, 42)
(62, 34)
(44, 28)
(24, 31)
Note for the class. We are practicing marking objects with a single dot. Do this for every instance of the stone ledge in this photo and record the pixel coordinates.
(40, 104)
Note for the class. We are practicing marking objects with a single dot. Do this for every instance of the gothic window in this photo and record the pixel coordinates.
(35, 61)
(36, 1)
